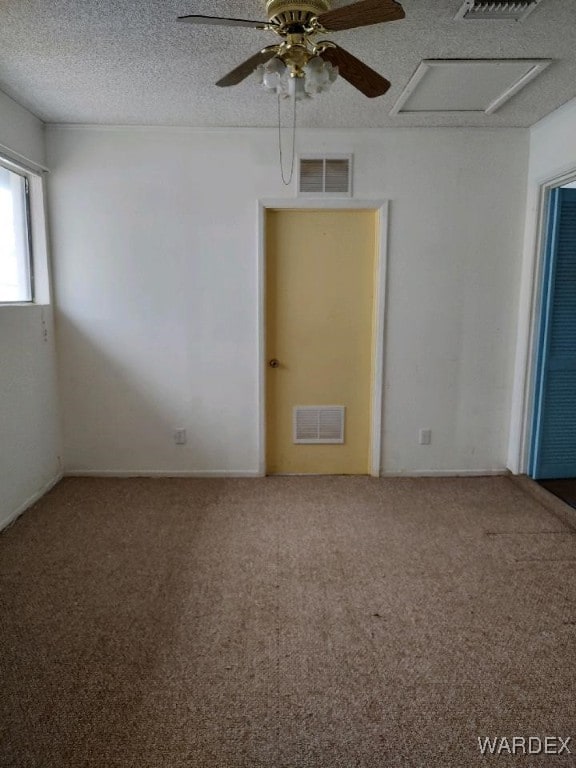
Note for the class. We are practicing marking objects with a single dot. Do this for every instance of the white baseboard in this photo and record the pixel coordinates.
(160, 473)
(30, 501)
(449, 473)
(214, 473)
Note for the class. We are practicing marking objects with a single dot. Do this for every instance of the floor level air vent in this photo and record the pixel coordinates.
(497, 9)
(328, 175)
(319, 424)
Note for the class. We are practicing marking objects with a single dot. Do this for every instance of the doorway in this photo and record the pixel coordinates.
(553, 429)
(322, 301)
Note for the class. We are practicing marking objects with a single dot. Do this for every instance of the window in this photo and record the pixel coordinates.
(15, 238)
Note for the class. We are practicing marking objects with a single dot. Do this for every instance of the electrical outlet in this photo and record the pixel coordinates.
(180, 436)
(425, 437)
(44, 328)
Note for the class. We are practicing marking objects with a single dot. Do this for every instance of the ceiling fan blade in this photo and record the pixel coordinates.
(246, 69)
(356, 72)
(223, 22)
(362, 14)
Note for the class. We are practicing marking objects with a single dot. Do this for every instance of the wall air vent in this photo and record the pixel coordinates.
(319, 424)
(329, 175)
(497, 9)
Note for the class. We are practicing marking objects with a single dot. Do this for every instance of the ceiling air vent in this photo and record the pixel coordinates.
(497, 9)
(327, 175)
(319, 424)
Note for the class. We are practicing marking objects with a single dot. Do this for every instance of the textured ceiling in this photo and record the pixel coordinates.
(129, 62)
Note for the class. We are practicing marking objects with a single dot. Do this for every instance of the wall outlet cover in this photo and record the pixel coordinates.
(180, 436)
(425, 437)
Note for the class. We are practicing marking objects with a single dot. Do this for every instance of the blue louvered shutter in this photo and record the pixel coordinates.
(554, 433)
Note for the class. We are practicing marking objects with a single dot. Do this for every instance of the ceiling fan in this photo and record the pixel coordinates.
(298, 23)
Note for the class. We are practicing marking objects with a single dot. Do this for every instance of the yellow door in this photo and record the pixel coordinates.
(320, 267)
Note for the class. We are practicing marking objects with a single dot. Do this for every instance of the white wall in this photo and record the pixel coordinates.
(552, 155)
(29, 417)
(553, 143)
(29, 420)
(155, 235)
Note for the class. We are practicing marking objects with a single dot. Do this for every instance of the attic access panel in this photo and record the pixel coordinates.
(466, 85)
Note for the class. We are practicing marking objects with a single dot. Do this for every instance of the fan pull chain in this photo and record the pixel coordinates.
(289, 180)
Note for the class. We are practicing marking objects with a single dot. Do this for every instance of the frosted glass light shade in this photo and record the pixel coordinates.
(274, 77)
(319, 75)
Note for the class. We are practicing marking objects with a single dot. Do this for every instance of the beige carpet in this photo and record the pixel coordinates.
(285, 623)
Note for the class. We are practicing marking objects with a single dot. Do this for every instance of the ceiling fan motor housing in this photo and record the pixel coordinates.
(286, 12)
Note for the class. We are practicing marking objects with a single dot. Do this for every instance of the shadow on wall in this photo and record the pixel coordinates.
(121, 410)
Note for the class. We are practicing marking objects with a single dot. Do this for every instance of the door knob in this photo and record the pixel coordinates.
(274, 363)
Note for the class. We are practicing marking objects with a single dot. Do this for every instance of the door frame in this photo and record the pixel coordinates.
(381, 208)
(531, 309)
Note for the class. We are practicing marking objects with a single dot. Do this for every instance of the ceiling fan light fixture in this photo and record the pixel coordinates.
(300, 67)
(317, 77)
